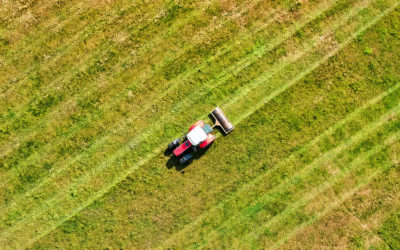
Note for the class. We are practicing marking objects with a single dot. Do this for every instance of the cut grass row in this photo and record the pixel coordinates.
(97, 172)
(24, 43)
(111, 130)
(139, 185)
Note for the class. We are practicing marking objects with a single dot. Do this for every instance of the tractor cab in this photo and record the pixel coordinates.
(196, 136)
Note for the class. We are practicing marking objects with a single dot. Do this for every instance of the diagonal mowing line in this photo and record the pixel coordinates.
(336, 203)
(249, 185)
(251, 237)
(6, 149)
(165, 93)
(116, 180)
(104, 190)
(333, 153)
(136, 141)
(145, 47)
(318, 63)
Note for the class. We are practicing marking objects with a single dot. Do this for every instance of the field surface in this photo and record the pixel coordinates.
(92, 92)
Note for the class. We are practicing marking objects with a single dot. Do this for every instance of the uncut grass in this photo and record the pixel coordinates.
(135, 87)
(370, 207)
(35, 217)
(253, 207)
(143, 212)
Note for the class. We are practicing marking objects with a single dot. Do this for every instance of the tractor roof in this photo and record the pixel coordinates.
(196, 136)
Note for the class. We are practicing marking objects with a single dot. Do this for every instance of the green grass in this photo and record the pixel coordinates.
(86, 111)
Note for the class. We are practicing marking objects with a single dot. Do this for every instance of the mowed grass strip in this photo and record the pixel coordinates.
(357, 180)
(361, 170)
(29, 45)
(358, 221)
(144, 211)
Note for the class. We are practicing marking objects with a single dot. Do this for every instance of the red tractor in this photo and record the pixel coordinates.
(199, 135)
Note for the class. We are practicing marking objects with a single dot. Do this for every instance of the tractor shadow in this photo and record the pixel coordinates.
(174, 163)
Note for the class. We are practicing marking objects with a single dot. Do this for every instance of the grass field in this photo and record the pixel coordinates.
(92, 92)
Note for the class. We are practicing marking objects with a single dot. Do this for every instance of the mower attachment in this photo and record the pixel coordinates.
(221, 120)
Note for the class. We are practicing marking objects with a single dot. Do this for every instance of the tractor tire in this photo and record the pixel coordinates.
(174, 144)
(185, 158)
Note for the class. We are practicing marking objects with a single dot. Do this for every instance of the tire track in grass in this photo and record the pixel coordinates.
(113, 130)
(7, 149)
(346, 196)
(331, 154)
(246, 187)
(116, 180)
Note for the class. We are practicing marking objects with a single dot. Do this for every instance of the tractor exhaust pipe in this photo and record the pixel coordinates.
(221, 120)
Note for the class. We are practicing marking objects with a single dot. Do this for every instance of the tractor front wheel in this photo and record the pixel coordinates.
(174, 144)
(185, 158)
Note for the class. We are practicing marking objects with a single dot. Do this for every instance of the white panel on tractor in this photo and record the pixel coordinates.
(196, 136)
